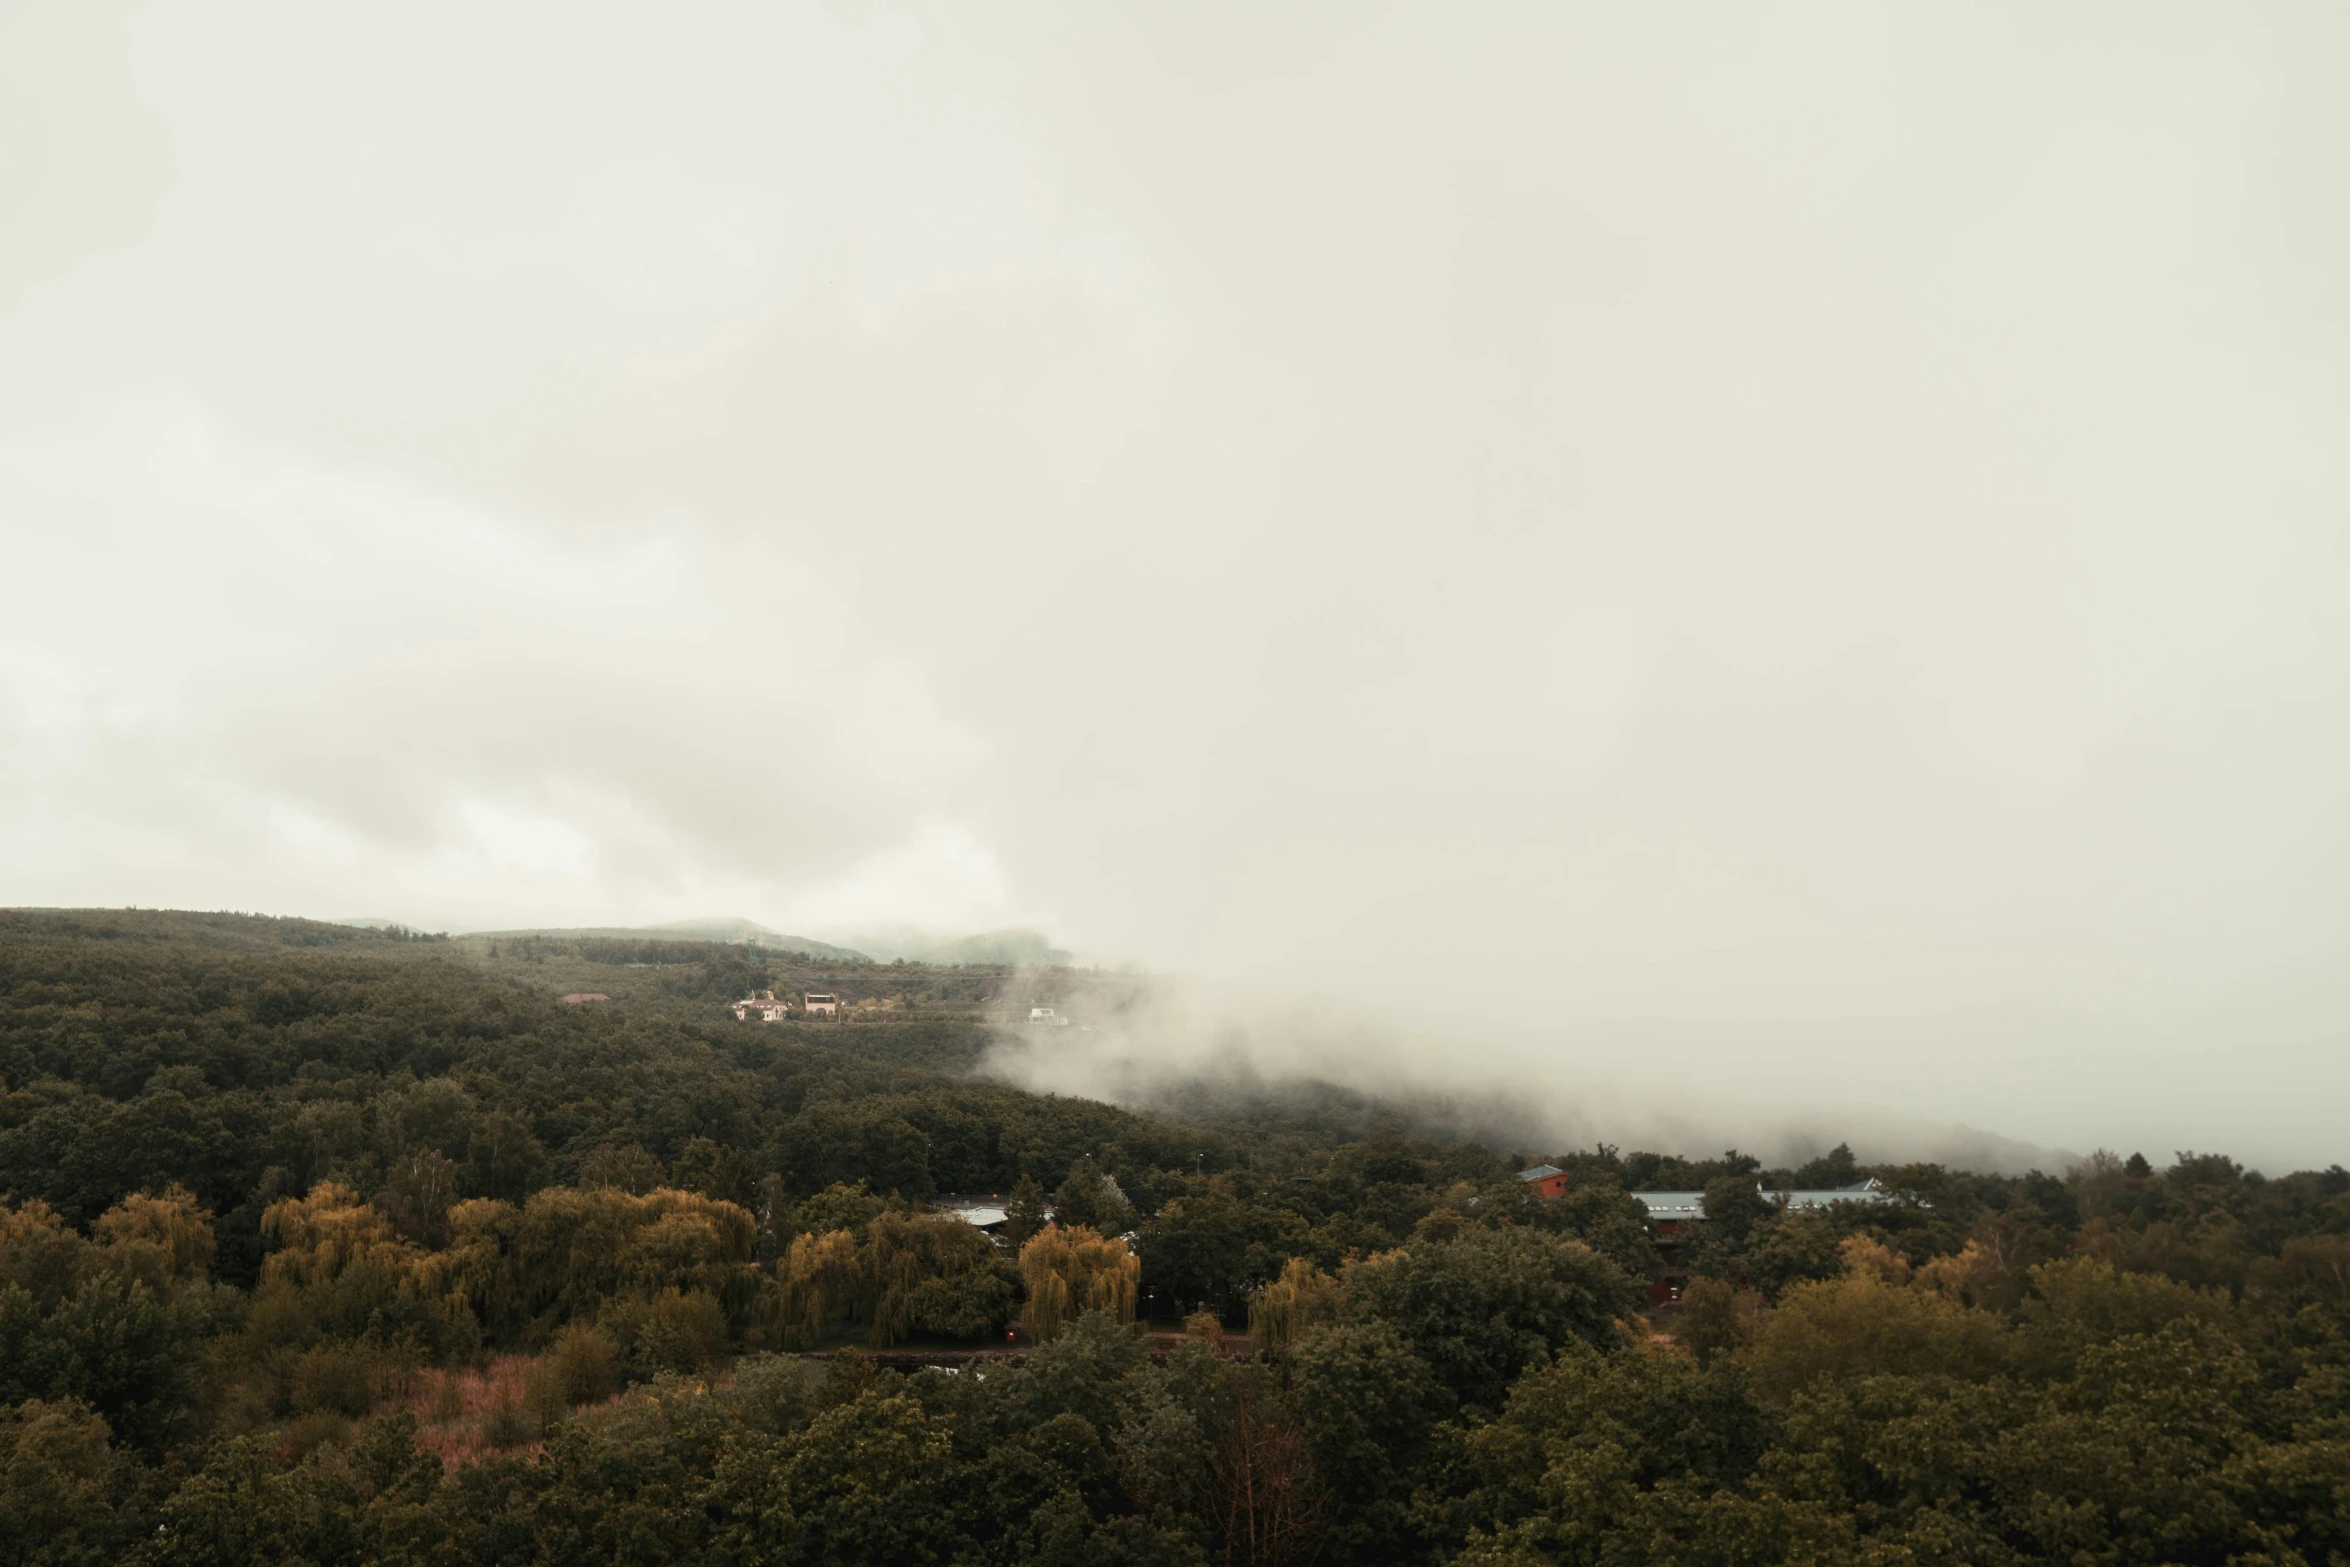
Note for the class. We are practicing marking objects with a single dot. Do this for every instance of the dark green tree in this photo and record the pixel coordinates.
(1024, 1214)
(1369, 1408)
(59, 1484)
(1481, 1308)
(1092, 1199)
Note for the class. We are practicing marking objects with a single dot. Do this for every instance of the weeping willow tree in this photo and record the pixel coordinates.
(818, 1281)
(340, 1270)
(906, 1252)
(911, 1272)
(1074, 1270)
(1292, 1303)
(173, 1230)
(898, 1257)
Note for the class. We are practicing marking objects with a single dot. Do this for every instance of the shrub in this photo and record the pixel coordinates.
(580, 1367)
(673, 1331)
(317, 1429)
(339, 1378)
(509, 1424)
(1715, 1318)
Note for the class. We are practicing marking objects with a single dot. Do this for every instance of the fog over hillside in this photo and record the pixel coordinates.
(1145, 1042)
(1766, 572)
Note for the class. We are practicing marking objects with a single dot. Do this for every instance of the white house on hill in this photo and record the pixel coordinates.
(764, 1003)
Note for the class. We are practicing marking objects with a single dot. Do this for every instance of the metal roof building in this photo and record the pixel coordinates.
(1682, 1207)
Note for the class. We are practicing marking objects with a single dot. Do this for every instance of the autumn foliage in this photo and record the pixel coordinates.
(1072, 1270)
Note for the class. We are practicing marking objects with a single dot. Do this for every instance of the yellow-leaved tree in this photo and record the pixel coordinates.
(1876, 1319)
(329, 1235)
(820, 1282)
(170, 1235)
(1303, 1296)
(912, 1272)
(572, 1251)
(339, 1268)
(475, 1269)
(1074, 1270)
(568, 1255)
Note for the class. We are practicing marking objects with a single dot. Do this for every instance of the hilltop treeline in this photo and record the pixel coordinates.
(329, 1245)
(654, 969)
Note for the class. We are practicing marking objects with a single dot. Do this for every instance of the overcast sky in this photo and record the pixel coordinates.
(1797, 553)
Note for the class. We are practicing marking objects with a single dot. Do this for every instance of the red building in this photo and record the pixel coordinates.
(1548, 1180)
(1669, 1214)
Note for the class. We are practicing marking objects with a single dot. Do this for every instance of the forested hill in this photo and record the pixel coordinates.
(330, 1245)
(251, 1058)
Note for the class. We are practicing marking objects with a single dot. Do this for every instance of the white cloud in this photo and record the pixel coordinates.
(1757, 545)
(229, 656)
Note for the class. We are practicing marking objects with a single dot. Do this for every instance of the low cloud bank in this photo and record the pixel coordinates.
(1191, 1048)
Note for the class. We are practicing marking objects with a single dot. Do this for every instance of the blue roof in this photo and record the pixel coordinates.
(1540, 1172)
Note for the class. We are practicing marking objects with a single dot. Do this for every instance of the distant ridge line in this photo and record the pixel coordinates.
(732, 933)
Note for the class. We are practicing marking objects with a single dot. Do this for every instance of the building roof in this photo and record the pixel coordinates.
(1672, 1205)
(1691, 1205)
(982, 1210)
(1859, 1191)
(1541, 1172)
(577, 996)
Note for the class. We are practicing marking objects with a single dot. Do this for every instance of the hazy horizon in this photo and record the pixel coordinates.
(1797, 559)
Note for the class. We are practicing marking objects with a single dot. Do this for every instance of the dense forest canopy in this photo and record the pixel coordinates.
(325, 1244)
